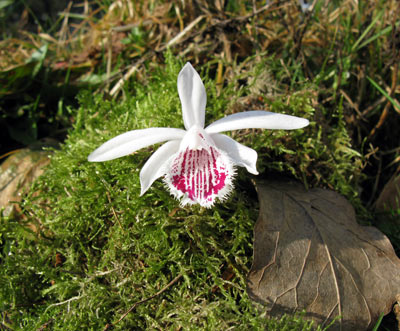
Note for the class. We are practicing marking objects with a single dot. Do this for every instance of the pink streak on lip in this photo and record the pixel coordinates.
(198, 174)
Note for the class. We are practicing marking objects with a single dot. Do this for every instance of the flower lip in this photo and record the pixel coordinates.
(200, 176)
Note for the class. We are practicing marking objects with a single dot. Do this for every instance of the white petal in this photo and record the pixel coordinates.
(131, 141)
(193, 97)
(241, 155)
(154, 168)
(257, 119)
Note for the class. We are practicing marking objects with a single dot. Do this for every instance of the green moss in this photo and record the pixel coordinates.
(101, 247)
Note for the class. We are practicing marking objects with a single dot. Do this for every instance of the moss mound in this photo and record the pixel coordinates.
(101, 250)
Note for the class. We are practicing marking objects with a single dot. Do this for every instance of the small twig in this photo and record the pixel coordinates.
(181, 34)
(64, 27)
(374, 105)
(300, 36)
(385, 111)
(10, 153)
(352, 104)
(64, 302)
(117, 87)
(112, 208)
(109, 59)
(376, 182)
(45, 325)
(172, 282)
(128, 27)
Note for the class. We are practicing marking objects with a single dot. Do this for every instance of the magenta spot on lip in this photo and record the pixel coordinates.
(197, 174)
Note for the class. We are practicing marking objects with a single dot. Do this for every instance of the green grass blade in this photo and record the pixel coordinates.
(378, 323)
(381, 33)
(5, 3)
(378, 17)
(380, 89)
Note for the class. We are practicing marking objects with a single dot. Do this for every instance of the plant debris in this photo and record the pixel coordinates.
(310, 254)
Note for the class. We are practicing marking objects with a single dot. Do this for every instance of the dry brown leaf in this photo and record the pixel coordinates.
(310, 254)
(390, 196)
(17, 174)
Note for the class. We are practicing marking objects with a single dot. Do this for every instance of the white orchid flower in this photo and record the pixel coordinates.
(198, 164)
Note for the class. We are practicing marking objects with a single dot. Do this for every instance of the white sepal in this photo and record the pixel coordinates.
(257, 119)
(193, 97)
(132, 141)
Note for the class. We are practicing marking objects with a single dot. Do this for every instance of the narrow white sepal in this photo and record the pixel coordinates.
(257, 119)
(155, 167)
(193, 97)
(241, 155)
(132, 141)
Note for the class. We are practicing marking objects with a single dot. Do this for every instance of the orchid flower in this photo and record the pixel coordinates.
(198, 164)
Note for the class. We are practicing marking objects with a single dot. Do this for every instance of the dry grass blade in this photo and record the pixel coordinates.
(118, 86)
(182, 34)
(385, 111)
(166, 287)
